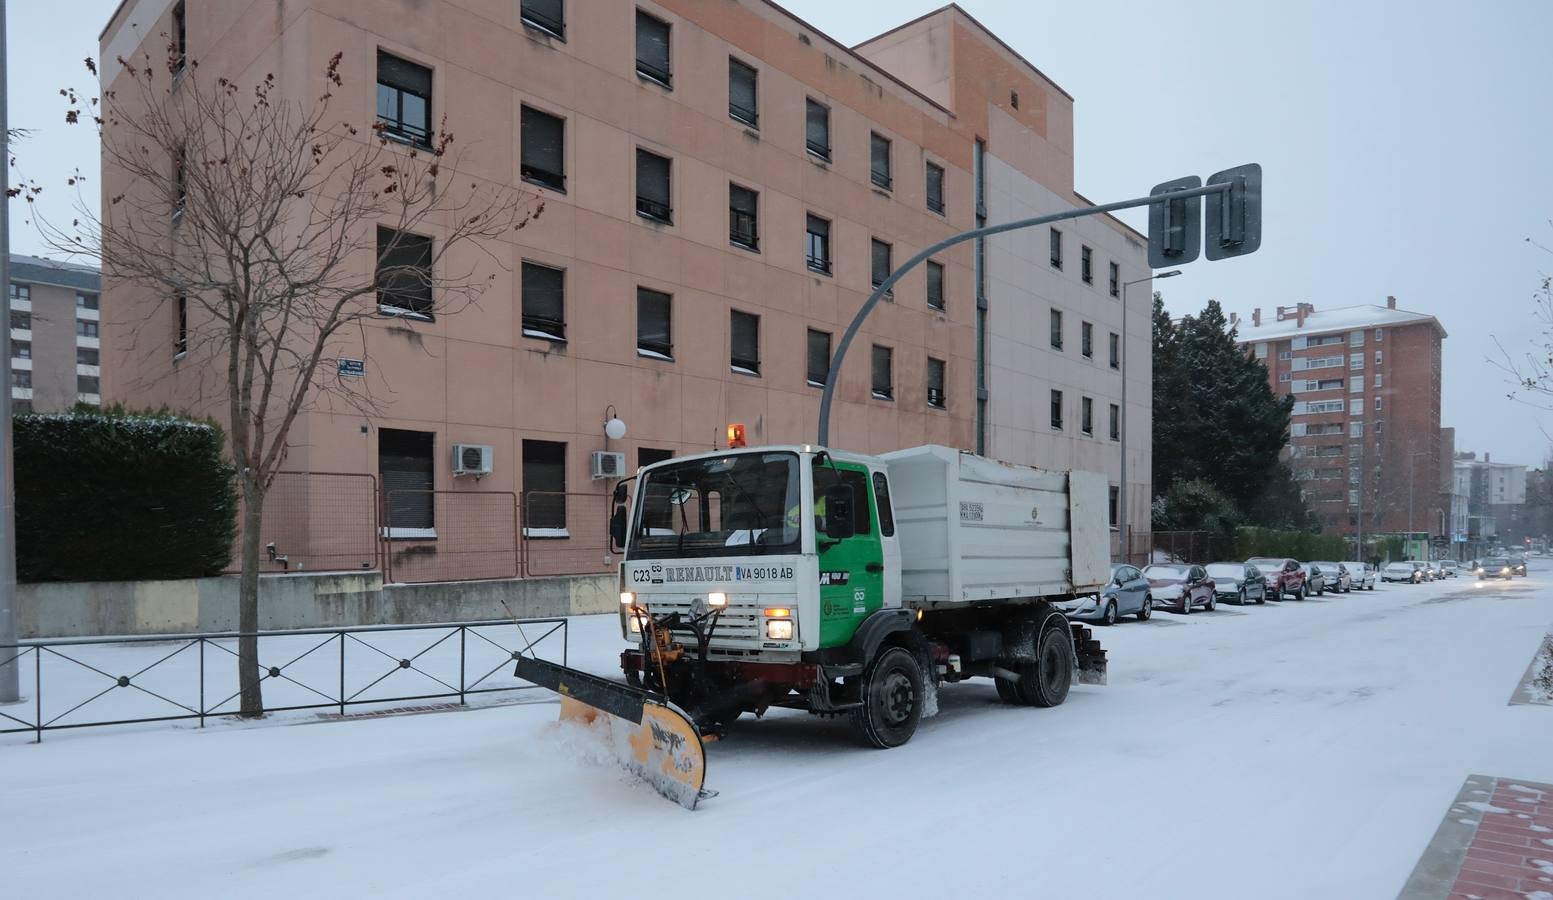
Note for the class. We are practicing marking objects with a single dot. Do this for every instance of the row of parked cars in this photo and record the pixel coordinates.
(1184, 587)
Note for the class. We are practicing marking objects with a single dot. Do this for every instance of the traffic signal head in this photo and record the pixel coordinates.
(1175, 226)
(1234, 220)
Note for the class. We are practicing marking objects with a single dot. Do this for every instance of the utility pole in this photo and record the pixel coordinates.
(10, 690)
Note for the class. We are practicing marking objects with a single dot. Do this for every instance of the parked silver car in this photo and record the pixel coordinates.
(1126, 594)
(1315, 579)
(1337, 578)
(1238, 582)
(1363, 575)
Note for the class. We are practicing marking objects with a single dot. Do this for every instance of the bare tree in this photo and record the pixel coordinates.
(275, 230)
(1531, 371)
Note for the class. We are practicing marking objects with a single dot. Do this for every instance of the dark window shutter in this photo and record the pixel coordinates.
(403, 74)
(404, 271)
(935, 188)
(818, 356)
(544, 301)
(879, 159)
(544, 145)
(817, 128)
(744, 341)
(653, 309)
(881, 261)
(549, 15)
(652, 185)
(883, 360)
(935, 285)
(652, 47)
(743, 101)
(544, 484)
(405, 463)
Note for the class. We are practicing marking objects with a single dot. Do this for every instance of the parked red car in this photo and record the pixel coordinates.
(1285, 578)
(1179, 587)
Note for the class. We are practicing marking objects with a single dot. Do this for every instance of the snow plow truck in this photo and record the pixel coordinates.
(839, 584)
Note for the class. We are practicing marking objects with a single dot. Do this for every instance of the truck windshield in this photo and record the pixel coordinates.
(742, 504)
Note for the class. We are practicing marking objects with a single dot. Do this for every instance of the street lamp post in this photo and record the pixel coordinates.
(1121, 494)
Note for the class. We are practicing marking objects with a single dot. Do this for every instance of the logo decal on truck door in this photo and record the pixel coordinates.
(860, 601)
(837, 577)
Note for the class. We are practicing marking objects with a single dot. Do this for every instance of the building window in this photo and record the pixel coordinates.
(85, 301)
(1086, 407)
(1116, 280)
(1013, 99)
(87, 356)
(403, 274)
(1377, 379)
(1086, 340)
(1355, 384)
(1285, 377)
(1056, 337)
(884, 373)
(1056, 248)
(21, 378)
(646, 456)
(1356, 360)
(1057, 410)
(743, 225)
(743, 98)
(1356, 429)
(1284, 354)
(817, 128)
(1116, 351)
(544, 489)
(654, 331)
(880, 262)
(548, 16)
(1356, 339)
(405, 467)
(1378, 403)
(879, 160)
(1377, 357)
(403, 99)
(935, 384)
(935, 188)
(21, 321)
(21, 350)
(1380, 335)
(652, 187)
(88, 384)
(744, 343)
(935, 286)
(1114, 505)
(180, 38)
(181, 339)
(652, 49)
(85, 328)
(543, 157)
(544, 302)
(819, 244)
(818, 352)
(1085, 263)
(1116, 422)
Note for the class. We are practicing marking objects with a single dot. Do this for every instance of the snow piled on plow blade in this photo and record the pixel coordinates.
(664, 749)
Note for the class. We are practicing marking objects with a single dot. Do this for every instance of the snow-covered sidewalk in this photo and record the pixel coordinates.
(1290, 750)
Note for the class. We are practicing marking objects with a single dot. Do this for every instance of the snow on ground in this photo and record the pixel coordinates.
(1538, 687)
(1289, 750)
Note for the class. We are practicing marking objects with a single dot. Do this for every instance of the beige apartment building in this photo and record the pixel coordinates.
(723, 186)
(54, 335)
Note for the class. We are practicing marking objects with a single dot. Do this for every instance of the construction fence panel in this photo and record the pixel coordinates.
(315, 522)
(450, 535)
(566, 534)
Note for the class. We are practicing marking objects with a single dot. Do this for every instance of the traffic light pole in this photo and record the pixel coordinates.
(884, 287)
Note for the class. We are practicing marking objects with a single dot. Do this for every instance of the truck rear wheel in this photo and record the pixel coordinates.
(1046, 681)
(892, 699)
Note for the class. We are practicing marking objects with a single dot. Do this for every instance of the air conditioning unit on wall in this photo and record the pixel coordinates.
(608, 465)
(471, 459)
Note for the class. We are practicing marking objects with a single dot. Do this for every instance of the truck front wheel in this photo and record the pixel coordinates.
(892, 699)
(1046, 681)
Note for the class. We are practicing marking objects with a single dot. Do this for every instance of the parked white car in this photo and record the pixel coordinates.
(1405, 572)
(1363, 575)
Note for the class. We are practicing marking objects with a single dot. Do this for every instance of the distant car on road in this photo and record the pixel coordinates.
(1401, 572)
(1452, 567)
(1180, 587)
(1284, 576)
(1238, 582)
(1518, 563)
(1338, 581)
(1363, 575)
(1494, 567)
(1315, 579)
(1126, 594)
(1422, 568)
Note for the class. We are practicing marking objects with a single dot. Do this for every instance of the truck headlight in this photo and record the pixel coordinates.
(716, 598)
(634, 623)
(627, 598)
(779, 629)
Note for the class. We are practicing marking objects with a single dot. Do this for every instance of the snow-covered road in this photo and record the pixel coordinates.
(1293, 750)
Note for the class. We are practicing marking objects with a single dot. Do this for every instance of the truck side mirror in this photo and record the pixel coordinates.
(621, 494)
(838, 512)
(617, 529)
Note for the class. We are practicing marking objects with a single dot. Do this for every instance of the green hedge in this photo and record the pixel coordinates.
(113, 497)
(1301, 545)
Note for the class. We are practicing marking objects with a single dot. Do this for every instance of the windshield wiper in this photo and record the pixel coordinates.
(754, 541)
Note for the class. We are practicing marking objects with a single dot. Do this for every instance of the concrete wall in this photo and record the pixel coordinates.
(324, 600)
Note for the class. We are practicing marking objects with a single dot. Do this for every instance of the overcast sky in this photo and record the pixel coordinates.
(1407, 148)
